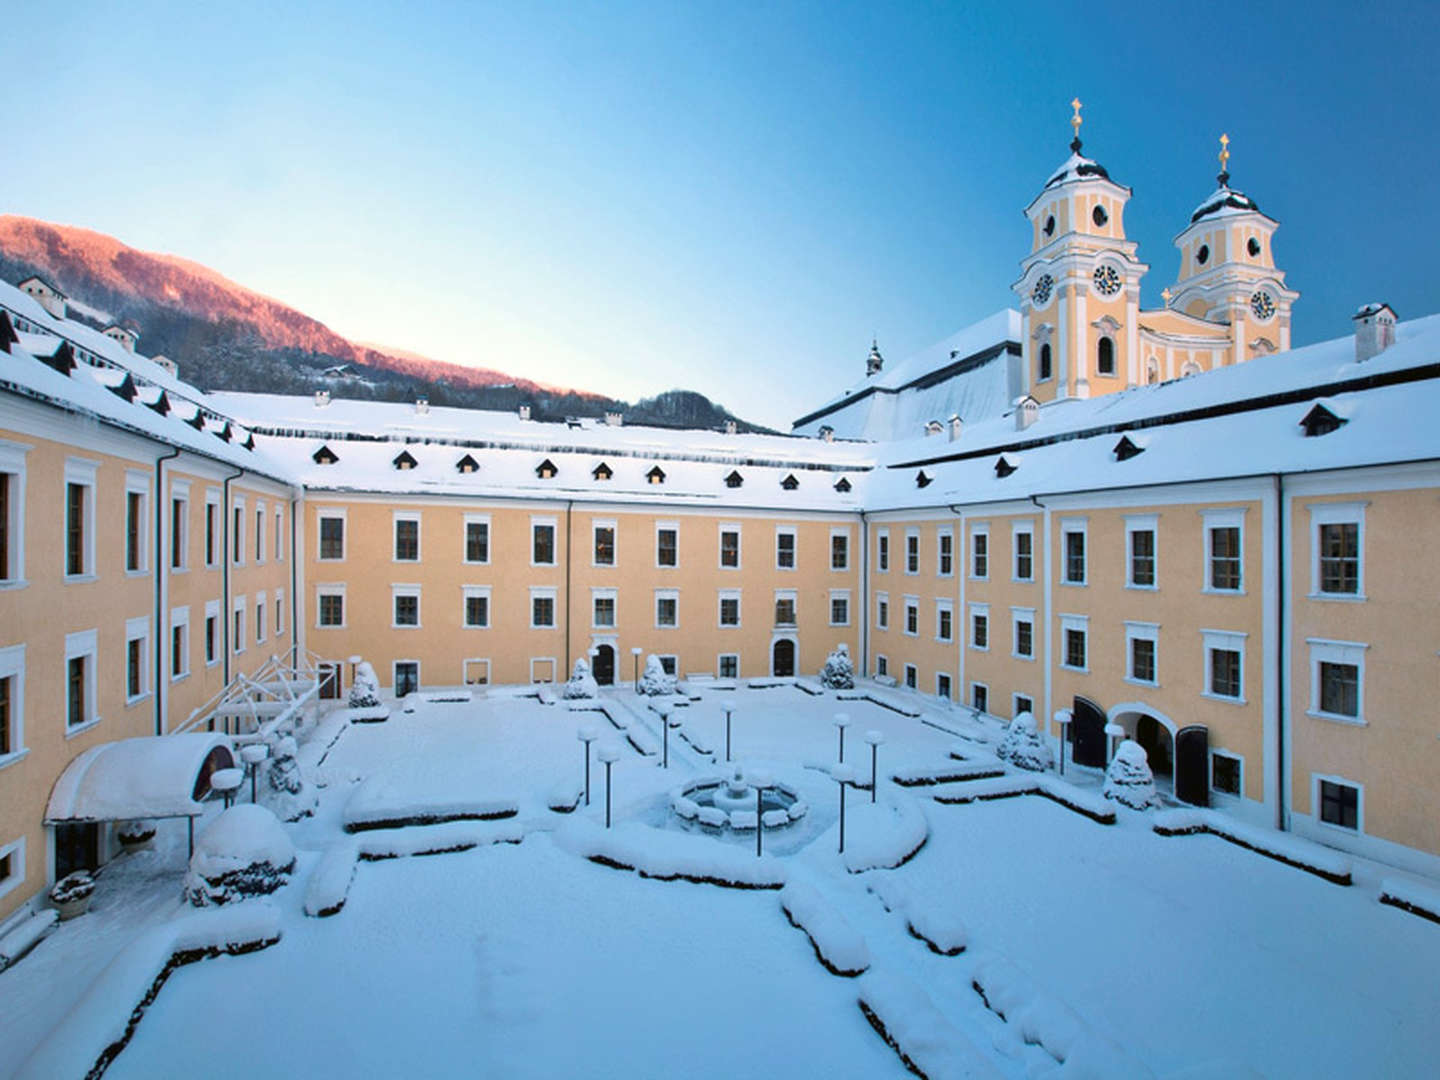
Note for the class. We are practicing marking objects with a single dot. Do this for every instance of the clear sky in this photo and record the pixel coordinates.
(730, 197)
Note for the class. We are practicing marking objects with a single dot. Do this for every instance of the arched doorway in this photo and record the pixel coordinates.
(782, 657)
(1087, 732)
(1159, 747)
(604, 669)
(1179, 757)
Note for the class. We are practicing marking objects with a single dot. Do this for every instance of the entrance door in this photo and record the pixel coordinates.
(1192, 765)
(1154, 738)
(604, 670)
(329, 680)
(407, 677)
(1087, 731)
(782, 658)
(77, 847)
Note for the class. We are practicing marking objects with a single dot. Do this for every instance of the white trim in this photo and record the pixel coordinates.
(465, 670)
(720, 659)
(12, 666)
(238, 624)
(1017, 529)
(789, 628)
(596, 524)
(1020, 615)
(912, 608)
(667, 526)
(978, 529)
(843, 533)
(671, 595)
(1326, 651)
(398, 592)
(1239, 759)
(177, 553)
(212, 611)
(81, 472)
(910, 677)
(474, 519)
(279, 533)
(238, 511)
(1142, 631)
(839, 594)
(729, 527)
(947, 606)
(1331, 827)
(978, 611)
(882, 610)
(331, 589)
(179, 620)
(279, 613)
(1337, 513)
(1227, 518)
(395, 674)
(720, 597)
(544, 592)
(1135, 523)
(787, 531)
(332, 513)
(1222, 640)
(397, 518)
(1067, 624)
(12, 461)
(942, 534)
(912, 551)
(137, 482)
(15, 848)
(1070, 526)
(538, 522)
(261, 600)
(82, 643)
(479, 592)
(260, 507)
(605, 593)
(138, 629)
(983, 688)
(1015, 698)
(882, 550)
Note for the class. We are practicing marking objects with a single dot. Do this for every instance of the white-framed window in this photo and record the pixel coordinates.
(942, 685)
(667, 608)
(137, 659)
(179, 525)
(729, 608)
(667, 544)
(1337, 680)
(406, 677)
(477, 540)
(12, 513)
(980, 627)
(477, 672)
(669, 663)
(80, 519)
(81, 674)
(912, 551)
(237, 642)
(785, 607)
(1022, 547)
(475, 607)
(980, 551)
(1141, 565)
(945, 553)
(840, 548)
(784, 547)
(179, 643)
(279, 534)
(330, 606)
(542, 669)
(1224, 550)
(1022, 633)
(542, 607)
(945, 620)
(839, 607)
(729, 545)
(279, 612)
(727, 665)
(602, 608)
(1021, 703)
(237, 531)
(137, 522)
(980, 697)
(12, 704)
(404, 607)
(912, 616)
(882, 551)
(1337, 549)
(261, 600)
(1224, 675)
(212, 528)
(1074, 566)
(1075, 642)
(259, 532)
(1338, 802)
(882, 611)
(1227, 773)
(912, 676)
(882, 665)
(212, 632)
(12, 865)
(602, 543)
(330, 524)
(542, 541)
(1142, 644)
(406, 526)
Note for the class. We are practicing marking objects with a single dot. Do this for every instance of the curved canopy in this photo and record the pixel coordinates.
(152, 776)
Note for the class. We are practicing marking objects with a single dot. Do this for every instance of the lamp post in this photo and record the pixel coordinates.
(842, 775)
(608, 754)
(253, 755)
(1063, 717)
(728, 711)
(586, 735)
(762, 782)
(667, 723)
(1112, 732)
(874, 738)
(842, 721)
(635, 652)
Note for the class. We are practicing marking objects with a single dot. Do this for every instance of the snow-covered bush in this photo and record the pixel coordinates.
(654, 681)
(365, 690)
(1023, 747)
(581, 683)
(290, 796)
(133, 834)
(243, 853)
(1129, 780)
(75, 886)
(838, 672)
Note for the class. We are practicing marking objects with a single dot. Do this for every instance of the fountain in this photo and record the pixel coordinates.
(728, 802)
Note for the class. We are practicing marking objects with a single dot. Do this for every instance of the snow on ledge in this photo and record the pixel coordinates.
(1419, 900)
(928, 1044)
(882, 836)
(837, 944)
(379, 844)
(1093, 806)
(1290, 850)
(329, 883)
(668, 856)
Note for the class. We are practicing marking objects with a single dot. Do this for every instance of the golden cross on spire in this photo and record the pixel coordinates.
(1224, 153)
(1165, 295)
(1075, 120)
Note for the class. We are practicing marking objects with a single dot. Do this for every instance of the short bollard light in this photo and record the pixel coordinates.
(842, 775)
(667, 721)
(1113, 733)
(252, 756)
(635, 652)
(842, 721)
(608, 754)
(226, 782)
(761, 781)
(728, 711)
(587, 735)
(1063, 718)
(874, 738)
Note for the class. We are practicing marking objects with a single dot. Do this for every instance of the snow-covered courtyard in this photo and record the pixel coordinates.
(537, 944)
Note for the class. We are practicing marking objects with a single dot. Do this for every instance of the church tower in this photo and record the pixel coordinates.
(1079, 288)
(1228, 274)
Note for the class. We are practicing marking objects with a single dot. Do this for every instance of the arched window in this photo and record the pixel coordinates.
(1044, 362)
(1105, 357)
(1152, 371)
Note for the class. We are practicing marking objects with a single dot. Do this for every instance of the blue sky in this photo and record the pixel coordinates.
(730, 197)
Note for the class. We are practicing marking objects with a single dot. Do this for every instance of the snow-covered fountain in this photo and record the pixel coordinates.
(728, 802)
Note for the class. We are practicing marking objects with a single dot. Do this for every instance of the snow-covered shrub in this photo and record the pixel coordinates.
(581, 683)
(1129, 780)
(365, 690)
(243, 853)
(290, 796)
(75, 886)
(654, 681)
(838, 672)
(133, 834)
(1023, 747)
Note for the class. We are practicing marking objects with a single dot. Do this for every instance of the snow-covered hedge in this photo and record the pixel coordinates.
(581, 684)
(365, 706)
(928, 1044)
(1408, 896)
(654, 681)
(244, 852)
(838, 945)
(1023, 747)
(290, 795)
(437, 839)
(98, 1026)
(941, 931)
(930, 775)
(838, 672)
(413, 792)
(1128, 780)
(77, 885)
(893, 702)
(1283, 847)
(668, 856)
(1087, 803)
(883, 835)
(565, 796)
(329, 883)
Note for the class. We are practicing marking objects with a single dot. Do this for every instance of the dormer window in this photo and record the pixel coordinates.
(923, 479)
(161, 404)
(249, 443)
(325, 456)
(1321, 421)
(602, 472)
(655, 475)
(790, 483)
(1128, 447)
(467, 464)
(124, 389)
(734, 480)
(842, 485)
(404, 460)
(197, 421)
(62, 359)
(546, 470)
(1004, 467)
(226, 433)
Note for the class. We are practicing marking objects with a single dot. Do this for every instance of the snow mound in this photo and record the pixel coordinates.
(837, 944)
(930, 775)
(329, 883)
(1409, 896)
(581, 684)
(437, 839)
(668, 856)
(289, 795)
(654, 681)
(884, 835)
(365, 690)
(421, 791)
(244, 852)
(838, 672)
(941, 931)
(929, 1045)
(1128, 780)
(1023, 747)
(565, 796)
(1291, 850)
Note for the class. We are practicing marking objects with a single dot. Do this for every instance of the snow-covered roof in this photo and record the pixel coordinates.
(1223, 202)
(1075, 168)
(1373, 308)
(152, 776)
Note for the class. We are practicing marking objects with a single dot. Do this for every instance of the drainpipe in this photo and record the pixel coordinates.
(1046, 613)
(561, 676)
(162, 573)
(864, 595)
(225, 613)
(1282, 651)
(959, 621)
(295, 627)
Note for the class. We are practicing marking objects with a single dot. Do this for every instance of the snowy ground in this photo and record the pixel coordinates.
(1166, 954)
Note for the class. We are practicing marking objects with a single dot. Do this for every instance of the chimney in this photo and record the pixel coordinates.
(127, 336)
(1374, 330)
(933, 427)
(827, 433)
(614, 419)
(167, 365)
(322, 398)
(955, 425)
(730, 427)
(49, 297)
(524, 412)
(1027, 411)
(422, 406)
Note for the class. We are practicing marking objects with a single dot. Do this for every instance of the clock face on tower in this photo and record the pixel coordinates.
(1107, 280)
(1262, 304)
(1041, 293)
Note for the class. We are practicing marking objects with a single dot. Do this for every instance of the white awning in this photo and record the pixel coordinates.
(153, 776)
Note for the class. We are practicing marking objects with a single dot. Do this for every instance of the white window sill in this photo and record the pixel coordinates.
(1343, 598)
(1222, 592)
(1022, 581)
(909, 633)
(977, 648)
(786, 569)
(1225, 798)
(81, 579)
(1342, 830)
(129, 701)
(1142, 588)
(14, 756)
(486, 626)
(1142, 682)
(978, 577)
(239, 652)
(1223, 699)
(330, 626)
(946, 574)
(414, 562)
(467, 562)
(1021, 656)
(80, 729)
(179, 676)
(534, 627)
(948, 641)
(1075, 584)
(175, 571)
(13, 583)
(404, 626)
(1336, 718)
(666, 626)
(318, 558)
(137, 573)
(1077, 670)
(212, 663)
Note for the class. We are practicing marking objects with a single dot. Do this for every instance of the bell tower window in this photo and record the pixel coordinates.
(1203, 255)
(1045, 362)
(1050, 225)
(1253, 247)
(1105, 357)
